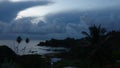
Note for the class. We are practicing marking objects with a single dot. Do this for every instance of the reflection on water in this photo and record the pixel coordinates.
(27, 48)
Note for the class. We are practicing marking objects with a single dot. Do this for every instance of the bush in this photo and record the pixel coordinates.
(9, 64)
(32, 61)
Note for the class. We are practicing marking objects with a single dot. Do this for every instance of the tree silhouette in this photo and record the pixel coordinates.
(27, 40)
(97, 37)
(19, 39)
(95, 34)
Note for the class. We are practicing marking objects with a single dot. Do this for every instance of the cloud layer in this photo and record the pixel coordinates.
(60, 25)
(53, 26)
(9, 10)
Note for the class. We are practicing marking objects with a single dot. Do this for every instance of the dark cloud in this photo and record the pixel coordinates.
(61, 25)
(9, 10)
(108, 18)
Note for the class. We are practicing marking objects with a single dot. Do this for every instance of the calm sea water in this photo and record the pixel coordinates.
(26, 48)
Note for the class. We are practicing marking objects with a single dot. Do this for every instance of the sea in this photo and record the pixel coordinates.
(26, 48)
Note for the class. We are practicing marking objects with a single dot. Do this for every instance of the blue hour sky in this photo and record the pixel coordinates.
(66, 5)
(46, 19)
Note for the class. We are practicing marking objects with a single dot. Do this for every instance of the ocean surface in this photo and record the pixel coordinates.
(26, 48)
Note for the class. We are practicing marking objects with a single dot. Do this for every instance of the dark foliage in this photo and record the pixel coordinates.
(24, 61)
(19, 39)
(32, 61)
(6, 53)
(98, 46)
(68, 43)
(27, 40)
(95, 35)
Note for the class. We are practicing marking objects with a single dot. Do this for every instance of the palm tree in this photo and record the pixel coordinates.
(95, 34)
(27, 40)
(97, 37)
(19, 39)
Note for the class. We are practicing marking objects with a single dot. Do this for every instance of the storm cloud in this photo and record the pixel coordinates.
(61, 25)
(9, 10)
(53, 26)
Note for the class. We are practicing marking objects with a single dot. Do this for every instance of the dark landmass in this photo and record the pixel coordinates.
(9, 59)
(99, 46)
(98, 49)
(67, 43)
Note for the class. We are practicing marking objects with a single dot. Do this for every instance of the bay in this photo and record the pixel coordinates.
(26, 48)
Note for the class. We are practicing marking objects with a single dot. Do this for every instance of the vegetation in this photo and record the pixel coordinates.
(19, 39)
(6, 53)
(9, 64)
(27, 40)
(68, 43)
(8, 59)
(32, 61)
(98, 49)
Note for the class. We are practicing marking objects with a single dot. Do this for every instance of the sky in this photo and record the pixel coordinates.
(46, 19)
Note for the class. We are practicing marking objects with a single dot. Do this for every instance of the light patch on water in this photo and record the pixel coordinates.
(26, 48)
